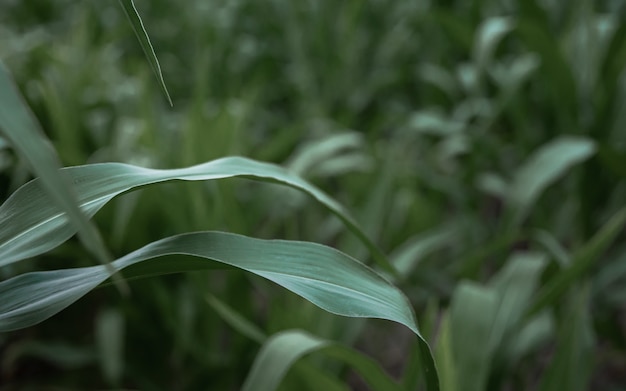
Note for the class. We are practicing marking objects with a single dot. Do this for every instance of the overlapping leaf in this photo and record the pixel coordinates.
(30, 224)
(326, 277)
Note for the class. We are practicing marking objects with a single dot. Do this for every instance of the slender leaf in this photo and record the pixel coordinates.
(236, 320)
(31, 225)
(445, 356)
(144, 40)
(572, 365)
(582, 261)
(514, 285)
(23, 132)
(282, 350)
(472, 313)
(110, 339)
(326, 277)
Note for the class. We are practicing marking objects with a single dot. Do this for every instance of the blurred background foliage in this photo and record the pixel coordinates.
(481, 144)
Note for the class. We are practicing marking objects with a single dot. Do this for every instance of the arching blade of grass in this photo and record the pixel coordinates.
(283, 350)
(326, 277)
(144, 40)
(31, 225)
(22, 130)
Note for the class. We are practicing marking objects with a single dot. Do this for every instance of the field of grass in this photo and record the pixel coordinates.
(342, 193)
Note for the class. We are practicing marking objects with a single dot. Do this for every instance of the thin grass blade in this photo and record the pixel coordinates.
(135, 21)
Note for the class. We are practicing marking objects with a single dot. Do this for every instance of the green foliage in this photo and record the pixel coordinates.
(478, 144)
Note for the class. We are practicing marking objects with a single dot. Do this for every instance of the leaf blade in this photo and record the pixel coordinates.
(322, 275)
(30, 225)
(144, 40)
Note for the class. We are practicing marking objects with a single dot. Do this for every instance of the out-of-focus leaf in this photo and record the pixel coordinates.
(611, 273)
(314, 379)
(59, 354)
(326, 277)
(445, 357)
(582, 261)
(144, 40)
(439, 77)
(21, 129)
(408, 256)
(282, 350)
(515, 284)
(544, 167)
(31, 225)
(492, 184)
(312, 154)
(510, 76)
(110, 340)
(235, 320)
(550, 243)
(573, 363)
(556, 70)
(490, 33)
(472, 313)
(533, 335)
(434, 123)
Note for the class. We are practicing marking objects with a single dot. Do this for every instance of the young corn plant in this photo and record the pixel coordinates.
(47, 211)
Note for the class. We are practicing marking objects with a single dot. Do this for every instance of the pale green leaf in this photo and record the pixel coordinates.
(284, 349)
(30, 224)
(110, 341)
(490, 33)
(472, 313)
(326, 277)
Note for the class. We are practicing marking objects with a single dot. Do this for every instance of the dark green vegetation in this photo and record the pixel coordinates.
(479, 147)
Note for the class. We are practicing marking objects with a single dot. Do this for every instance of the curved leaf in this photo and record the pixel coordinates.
(30, 224)
(144, 41)
(326, 277)
(284, 349)
(21, 129)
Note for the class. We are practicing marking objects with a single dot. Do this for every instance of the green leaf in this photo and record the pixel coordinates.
(235, 319)
(445, 357)
(573, 362)
(282, 350)
(31, 225)
(489, 35)
(407, 257)
(582, 261)
(544, 167)
(472, 313)
(110, 339)
(514, 284)
(23, 132)
(144, 40)
(326, 277)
